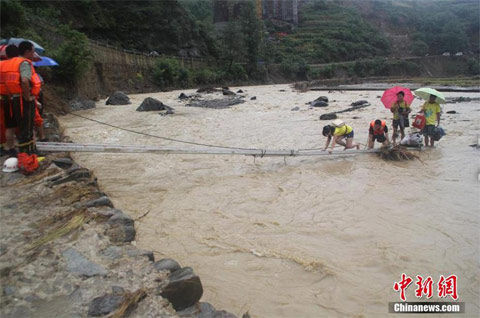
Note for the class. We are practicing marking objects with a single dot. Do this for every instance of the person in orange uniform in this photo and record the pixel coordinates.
(378, 131)
(7, 123)
(20, 81)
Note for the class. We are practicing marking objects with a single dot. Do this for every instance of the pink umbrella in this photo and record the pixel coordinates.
(390, 96)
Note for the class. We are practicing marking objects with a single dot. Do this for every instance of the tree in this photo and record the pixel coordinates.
(419, 48)
(251, 31)
(232, 43)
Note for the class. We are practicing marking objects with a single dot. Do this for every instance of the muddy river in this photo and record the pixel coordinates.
(298, 236)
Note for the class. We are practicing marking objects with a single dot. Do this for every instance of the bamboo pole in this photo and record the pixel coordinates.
(106, 148)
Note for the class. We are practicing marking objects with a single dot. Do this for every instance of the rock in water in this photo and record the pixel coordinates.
(239, 91)
(81, 104)
(183, 96)
(79, 264)
(319, 103)
(184, 288)
(104, 305)
(118, 98)
(121, 228)
(323, 99)
(451, 112)
(358, 103)
(63, 163)
(294, 109)
(167, 264)
(253, 98)
(228, 92)
(328, 116)
(152, 104)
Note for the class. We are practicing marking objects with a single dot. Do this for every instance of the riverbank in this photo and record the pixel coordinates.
(66, 251)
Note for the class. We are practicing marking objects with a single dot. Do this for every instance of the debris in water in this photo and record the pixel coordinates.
(397, 153)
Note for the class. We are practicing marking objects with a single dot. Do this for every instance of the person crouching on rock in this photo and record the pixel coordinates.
(378, 131)
(338, 134)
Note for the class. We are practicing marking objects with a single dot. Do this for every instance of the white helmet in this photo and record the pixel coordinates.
(10, 165)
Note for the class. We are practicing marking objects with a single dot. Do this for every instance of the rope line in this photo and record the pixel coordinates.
(161, 137)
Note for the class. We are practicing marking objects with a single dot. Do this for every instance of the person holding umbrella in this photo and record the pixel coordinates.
(398, 99)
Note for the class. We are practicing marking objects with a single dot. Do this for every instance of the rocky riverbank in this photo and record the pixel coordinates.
(65, 251)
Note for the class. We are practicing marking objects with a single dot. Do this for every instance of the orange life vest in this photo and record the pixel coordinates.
(10, 77)
(379, 131)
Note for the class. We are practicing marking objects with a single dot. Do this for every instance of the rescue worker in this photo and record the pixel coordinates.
(400, 110)
(378, 131)
(338, 133)
(21, 83)
(7, 122)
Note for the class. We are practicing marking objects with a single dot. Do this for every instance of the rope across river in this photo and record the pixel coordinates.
(206, 148)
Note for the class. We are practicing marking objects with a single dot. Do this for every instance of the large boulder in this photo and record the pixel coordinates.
(152, 104)
(328, 116)
(323, 99)
(227, 92)
(167, 264)
(319, 103)
(118, 98)
(81, 104)
(104, 305)
(121, 227)
(184, 288)
(359, 103)
(80, 265)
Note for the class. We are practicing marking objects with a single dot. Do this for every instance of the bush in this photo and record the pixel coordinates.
(168, 72)
(419, 48)
(73, 55)
(236, 72)
(204, 76)
(12, 19)
(473, 67)
(327, 71)
(295, 68)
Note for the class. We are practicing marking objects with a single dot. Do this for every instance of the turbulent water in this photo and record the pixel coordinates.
(295, 237)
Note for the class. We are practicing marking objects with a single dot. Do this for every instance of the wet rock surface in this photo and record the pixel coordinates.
(167, 264)
(328, 116)
(118, 98)
(81, 104)
(452, 100)
(104, 305)
(184, 288)
(319, 103)
(65, 252)
(152, 104)
(80, 265)
(219, 103)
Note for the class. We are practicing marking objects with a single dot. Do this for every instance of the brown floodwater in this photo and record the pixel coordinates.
(295, 237)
